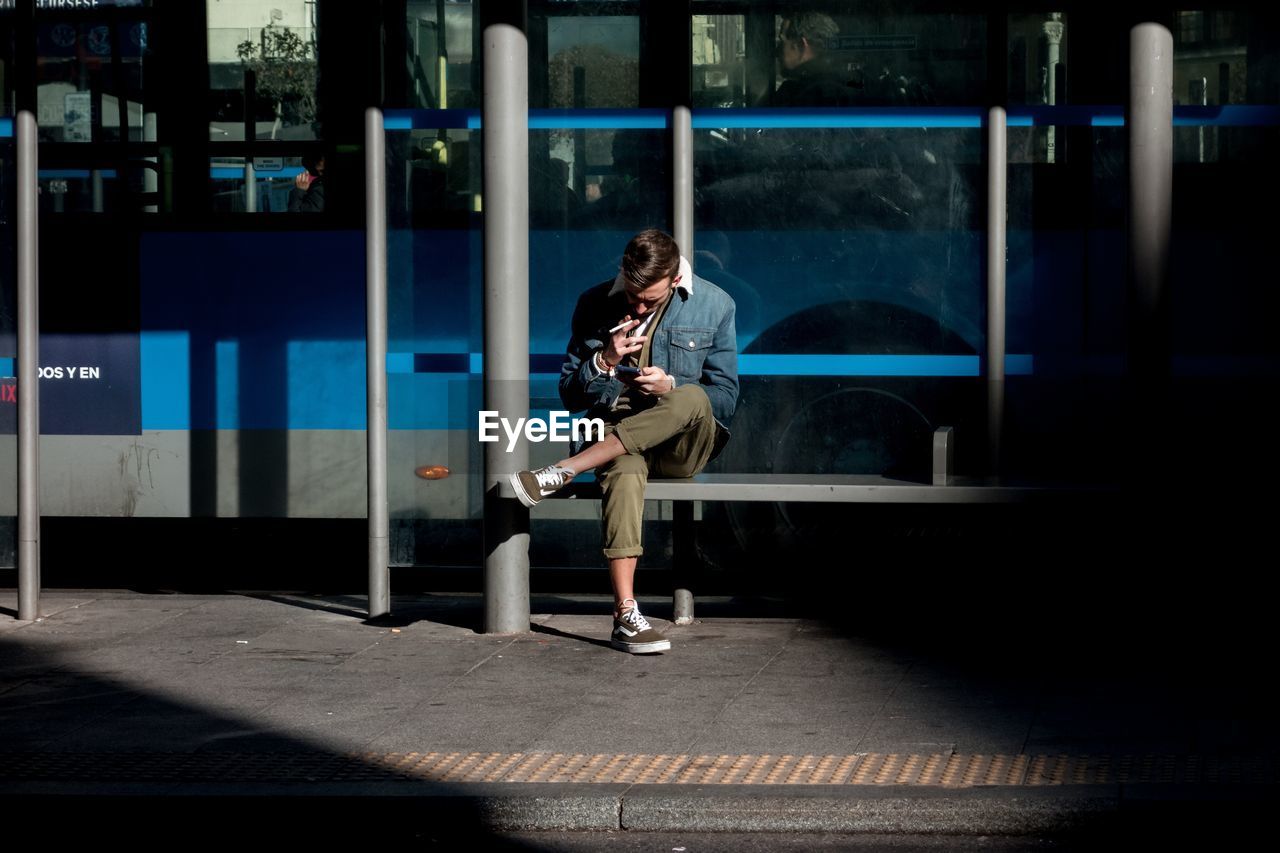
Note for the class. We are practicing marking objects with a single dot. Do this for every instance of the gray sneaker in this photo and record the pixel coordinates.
(632, 633)
(532, 486)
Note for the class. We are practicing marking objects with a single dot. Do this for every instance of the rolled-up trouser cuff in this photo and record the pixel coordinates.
(618, 553)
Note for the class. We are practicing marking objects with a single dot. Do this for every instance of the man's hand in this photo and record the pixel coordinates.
(303, 180)
(654, 381)
(620, 345)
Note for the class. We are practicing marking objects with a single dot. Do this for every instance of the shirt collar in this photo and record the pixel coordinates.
(684, 280)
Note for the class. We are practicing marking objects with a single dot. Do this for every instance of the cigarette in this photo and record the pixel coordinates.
(619, 326)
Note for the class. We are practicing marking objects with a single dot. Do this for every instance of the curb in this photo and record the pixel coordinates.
(890, 810)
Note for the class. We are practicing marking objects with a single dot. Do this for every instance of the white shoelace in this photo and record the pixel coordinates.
(633, 618)
(552, 475)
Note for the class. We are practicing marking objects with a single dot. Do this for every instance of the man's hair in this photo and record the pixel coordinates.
(650, 257)
(814, 27)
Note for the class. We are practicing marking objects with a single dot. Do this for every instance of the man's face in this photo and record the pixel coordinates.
(791, 54)
(791, 50)
(644, 301)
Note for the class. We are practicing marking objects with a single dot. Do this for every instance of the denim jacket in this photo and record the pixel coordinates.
(695, 342)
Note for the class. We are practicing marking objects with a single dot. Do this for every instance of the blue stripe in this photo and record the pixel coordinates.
(431, 119)
(236, 173)
(548, 364)
(858, 365)
(7, 366)
(540, 119)
(1233, 115)
(839, 117)
(1063, 115)
(6, 128)
(46, 174)
(598, 119)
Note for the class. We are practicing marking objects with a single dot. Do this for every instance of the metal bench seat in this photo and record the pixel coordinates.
(945, 488)
(824, 488)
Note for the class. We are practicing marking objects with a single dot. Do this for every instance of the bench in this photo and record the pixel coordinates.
(945, 488)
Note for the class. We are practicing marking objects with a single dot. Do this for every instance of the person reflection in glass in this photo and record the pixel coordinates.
(810, 77)
(307, 195)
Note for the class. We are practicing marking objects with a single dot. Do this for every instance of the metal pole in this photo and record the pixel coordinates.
(682, 173)
(997, 216)
(682, 225)
(505, 120)
(150, 176)
(28, 372)
(1053, 30)
(375, 200)
(1150, 124)
(250, 187)
(95, 183)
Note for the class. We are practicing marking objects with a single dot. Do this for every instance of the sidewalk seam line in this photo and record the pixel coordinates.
(858, 747)
(795, 628)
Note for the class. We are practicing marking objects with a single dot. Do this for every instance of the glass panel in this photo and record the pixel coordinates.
(576, 242)
(438, 36)
(6, 62)
(435, 316)
(584, 55)
(1067, 282)
(437, 176)
(719, 61)
(593, 61)
(847, 55)
(1038, 48)
(855, 258)
(1223, 305)
(83, 94)
(267, 184)
(1066, 306)
(434, 265)
(262, 71)
(77, 190)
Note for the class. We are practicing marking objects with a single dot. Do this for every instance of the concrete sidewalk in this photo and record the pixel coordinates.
(753, 721)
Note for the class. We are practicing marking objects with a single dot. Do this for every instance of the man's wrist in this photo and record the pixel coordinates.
(603, 366)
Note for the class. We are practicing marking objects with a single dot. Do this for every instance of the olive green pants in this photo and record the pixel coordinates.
(673, 439)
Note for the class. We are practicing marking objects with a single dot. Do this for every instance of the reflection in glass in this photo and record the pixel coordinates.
(82, 93)
(848, 213)
(265, 184)
(719, 61)
(836, 57)
(78, 190)
(262, 71)
(433, 176)
(438, 36)
(593, 61)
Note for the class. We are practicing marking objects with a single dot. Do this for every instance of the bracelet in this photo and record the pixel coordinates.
(603, 366)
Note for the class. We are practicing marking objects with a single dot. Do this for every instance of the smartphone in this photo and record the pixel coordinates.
(627, 370)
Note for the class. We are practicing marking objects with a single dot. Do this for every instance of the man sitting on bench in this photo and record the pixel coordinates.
(653, 354)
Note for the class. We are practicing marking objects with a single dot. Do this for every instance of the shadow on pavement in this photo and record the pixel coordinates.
(84, 759)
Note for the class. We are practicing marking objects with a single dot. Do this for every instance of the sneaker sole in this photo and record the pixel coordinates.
(641, 648)
(521, 493)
